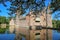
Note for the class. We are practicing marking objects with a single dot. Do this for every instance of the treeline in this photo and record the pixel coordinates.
(4, 20)
(56, 23)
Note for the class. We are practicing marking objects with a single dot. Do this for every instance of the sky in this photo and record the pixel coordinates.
(5, 12)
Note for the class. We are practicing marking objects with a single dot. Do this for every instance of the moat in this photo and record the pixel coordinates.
(55, 36)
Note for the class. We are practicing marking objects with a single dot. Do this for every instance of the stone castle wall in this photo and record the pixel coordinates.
(30, 21)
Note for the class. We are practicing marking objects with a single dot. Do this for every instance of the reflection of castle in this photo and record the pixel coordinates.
(28, 26)
(11, 25)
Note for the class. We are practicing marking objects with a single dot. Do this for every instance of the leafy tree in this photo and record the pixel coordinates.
(23, 5)
(3, 20)
(35, 5)
(55, 5)
(56, 23)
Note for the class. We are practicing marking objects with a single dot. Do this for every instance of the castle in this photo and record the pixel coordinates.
(30, 26)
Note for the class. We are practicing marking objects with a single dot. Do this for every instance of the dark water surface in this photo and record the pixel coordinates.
(55, 36)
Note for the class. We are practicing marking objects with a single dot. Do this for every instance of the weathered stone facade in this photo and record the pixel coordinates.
(29, 25)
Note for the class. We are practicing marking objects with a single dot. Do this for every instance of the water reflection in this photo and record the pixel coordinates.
(23, 38)
(56, 35)
(7, 31)
(6, 36)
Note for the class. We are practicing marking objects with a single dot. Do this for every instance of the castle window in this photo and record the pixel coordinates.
(37, 19)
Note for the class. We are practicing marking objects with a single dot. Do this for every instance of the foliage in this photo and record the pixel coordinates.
(2, 30)
(55, 5)
(4, 20)
(56, 23)
(23, 5)
(35, 5)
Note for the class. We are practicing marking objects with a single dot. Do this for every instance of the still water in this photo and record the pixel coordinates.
(55, 36)
(7, 36)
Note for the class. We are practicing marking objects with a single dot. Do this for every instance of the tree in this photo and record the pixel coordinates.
(33, 5)
(56, 23)
(55, 5)
(3, 20)
(23, 5)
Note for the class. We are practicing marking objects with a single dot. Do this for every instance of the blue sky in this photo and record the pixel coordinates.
(3, 9)
(5, 12)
